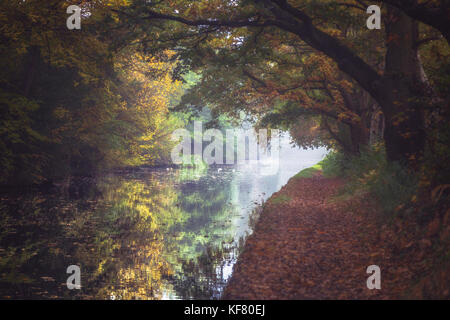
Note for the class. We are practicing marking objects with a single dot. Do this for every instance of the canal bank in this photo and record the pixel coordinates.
(309, 243)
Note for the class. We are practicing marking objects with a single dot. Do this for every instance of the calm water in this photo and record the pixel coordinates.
(150, 234)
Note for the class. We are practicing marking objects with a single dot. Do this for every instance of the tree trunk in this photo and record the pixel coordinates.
(376, 125)
(358, 138)
(358, 101)
(404, 86)
(398, 91)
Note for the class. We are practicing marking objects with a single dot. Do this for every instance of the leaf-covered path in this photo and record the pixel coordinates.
(308, 246)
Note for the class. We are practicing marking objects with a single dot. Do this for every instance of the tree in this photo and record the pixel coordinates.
(74, 102)
(282, 89)
(400, 90)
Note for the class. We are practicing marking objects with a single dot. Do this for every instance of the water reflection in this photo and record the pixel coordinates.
(151, 234)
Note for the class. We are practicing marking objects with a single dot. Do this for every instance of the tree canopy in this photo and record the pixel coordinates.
(100, 96)
(76, 102)
(260, 38)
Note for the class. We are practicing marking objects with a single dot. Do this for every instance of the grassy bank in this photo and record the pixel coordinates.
(310, 172)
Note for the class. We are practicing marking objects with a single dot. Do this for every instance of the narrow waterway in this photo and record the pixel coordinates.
(149, 234)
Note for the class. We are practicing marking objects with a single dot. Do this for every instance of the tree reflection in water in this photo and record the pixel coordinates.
(150, 235)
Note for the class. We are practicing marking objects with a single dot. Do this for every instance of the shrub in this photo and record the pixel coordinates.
(334, 164)
(390, 183)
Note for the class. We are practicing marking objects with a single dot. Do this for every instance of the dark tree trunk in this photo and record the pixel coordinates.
(376, 125)
(359, 103)
(398, 91)
(358, 138)
(404, 86)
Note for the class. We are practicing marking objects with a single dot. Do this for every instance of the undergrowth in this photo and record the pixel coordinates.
(391, 184)
(413, 213)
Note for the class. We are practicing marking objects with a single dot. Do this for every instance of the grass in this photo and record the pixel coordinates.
(309, 172)
(282, 198)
